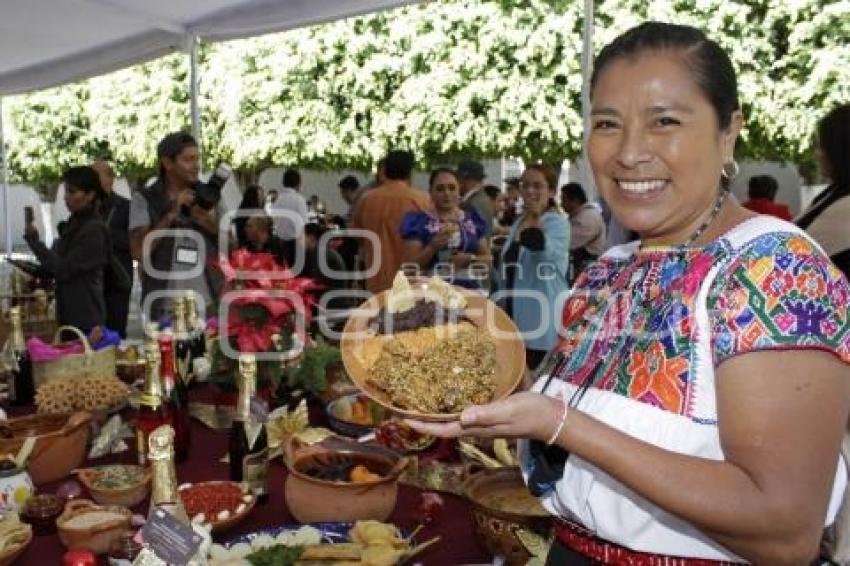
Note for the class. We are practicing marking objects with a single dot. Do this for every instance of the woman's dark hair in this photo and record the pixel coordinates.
(438, 171)
(251, 197)
(834, 142)
(85, 179)
(708, 62)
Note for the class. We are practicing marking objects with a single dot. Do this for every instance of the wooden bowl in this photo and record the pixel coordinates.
(216, 525)
(60, 443)
(313, 500)
(131, 484)
(96, 536)
(11, 554)
(495, 525)
(483, 313)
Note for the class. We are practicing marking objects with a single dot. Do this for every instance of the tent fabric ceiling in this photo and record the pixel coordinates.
(45, 43)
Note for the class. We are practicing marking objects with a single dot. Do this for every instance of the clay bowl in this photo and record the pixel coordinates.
(313, 500)
(11, 554)
(95, 535)
(127, 485)
(60, 443)
(220, 525)
(343, 426)
(501, 506)
(483, 313)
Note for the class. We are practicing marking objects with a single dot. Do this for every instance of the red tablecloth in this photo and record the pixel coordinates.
(458, 543)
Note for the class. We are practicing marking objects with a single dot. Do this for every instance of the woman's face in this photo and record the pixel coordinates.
(77, 199)
(655, 146)
(445, 192)
(535, 191)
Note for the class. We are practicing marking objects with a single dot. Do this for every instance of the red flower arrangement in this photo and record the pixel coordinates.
(270, 301)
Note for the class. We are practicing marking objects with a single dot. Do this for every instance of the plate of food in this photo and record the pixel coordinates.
(15, 536)
(429, 350)
(362, 542)
(218, 504)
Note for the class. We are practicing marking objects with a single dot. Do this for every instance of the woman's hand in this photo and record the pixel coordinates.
(441, 238)
(522, 415)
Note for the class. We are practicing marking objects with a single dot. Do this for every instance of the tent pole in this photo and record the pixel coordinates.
(586, 71)
(4, 169)
(193, 89)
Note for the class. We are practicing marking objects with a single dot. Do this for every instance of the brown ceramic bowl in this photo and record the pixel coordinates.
(117, 484)
(60, 443)
(501, 506)
(93, 527)
(221, 525)
(314, 500)
(483, 313)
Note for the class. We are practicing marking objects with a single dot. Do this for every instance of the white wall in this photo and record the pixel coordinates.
(19, 197)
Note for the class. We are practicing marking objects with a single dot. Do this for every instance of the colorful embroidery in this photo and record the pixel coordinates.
(630, 327)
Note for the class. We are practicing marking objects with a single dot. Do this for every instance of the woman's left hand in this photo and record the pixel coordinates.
(522, 415)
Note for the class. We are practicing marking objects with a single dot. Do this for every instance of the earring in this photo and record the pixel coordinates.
(730, 170)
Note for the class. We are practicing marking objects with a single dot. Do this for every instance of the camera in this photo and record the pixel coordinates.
(208, 194)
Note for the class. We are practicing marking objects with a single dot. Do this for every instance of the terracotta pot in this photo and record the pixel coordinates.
(60, 443)
(313, 500)
(98, 536)
(496, 528)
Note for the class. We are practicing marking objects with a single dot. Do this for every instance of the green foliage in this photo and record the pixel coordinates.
(445, 79)
(311, 373)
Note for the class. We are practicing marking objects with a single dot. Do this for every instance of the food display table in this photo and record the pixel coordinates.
(457, 545)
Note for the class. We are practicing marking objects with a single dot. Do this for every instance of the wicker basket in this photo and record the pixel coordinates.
(87, 364)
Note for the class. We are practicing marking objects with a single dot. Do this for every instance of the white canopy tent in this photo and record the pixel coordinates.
(45, 43)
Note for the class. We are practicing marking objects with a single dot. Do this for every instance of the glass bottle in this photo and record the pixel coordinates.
(164, 494)
(182, 342)
(248, 446)
(153, 409)
(174, 390)
(20, 380)
(196, 327)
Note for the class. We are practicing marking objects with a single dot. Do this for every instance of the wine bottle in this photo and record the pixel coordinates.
(196, 327)
(248, 444)
(164, 494)
(153, 409)
(174, 390)
(20, 380)
(182, 343)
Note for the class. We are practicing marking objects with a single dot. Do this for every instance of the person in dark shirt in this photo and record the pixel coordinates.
(79, 256)
(253, 200)
(762, 192)
(261, 239)
(115, 212)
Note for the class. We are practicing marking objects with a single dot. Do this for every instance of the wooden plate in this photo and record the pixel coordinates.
(510, 350)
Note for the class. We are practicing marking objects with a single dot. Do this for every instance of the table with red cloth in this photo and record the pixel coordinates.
(458, 543)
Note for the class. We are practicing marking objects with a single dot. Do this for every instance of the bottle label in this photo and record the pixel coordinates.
(254, 470)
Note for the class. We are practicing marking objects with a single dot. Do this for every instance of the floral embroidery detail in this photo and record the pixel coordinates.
(630, 327)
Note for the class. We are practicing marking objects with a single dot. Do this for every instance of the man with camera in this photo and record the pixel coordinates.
(176, 202)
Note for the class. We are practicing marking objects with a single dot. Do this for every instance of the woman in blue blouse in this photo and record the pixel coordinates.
(447, 240)
(530, 278)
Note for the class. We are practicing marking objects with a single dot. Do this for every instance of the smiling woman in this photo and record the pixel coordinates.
(666, 426)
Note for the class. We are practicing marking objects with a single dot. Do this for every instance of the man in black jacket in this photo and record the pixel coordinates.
(115, 211)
